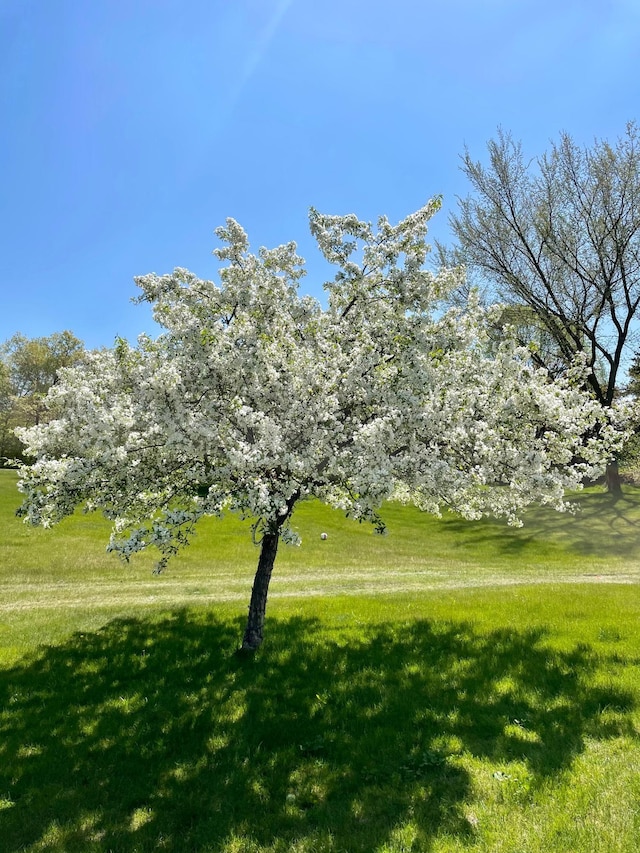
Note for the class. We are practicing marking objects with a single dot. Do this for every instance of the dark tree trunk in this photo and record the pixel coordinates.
(254, 632)
(612, 479)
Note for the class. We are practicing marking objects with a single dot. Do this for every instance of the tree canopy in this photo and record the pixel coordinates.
(28, 369)
(256, 397)
(560, 234)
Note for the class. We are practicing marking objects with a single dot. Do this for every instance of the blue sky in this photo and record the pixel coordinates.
(130, 129)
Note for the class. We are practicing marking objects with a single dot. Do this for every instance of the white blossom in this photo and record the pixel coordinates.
(255, 397)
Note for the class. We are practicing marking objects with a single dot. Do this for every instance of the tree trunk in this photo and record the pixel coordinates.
(612, 479)
(254, 632)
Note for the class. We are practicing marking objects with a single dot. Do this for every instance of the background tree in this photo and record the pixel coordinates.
(561, 235)
(633, 373)
(255, 398)
(10, 445)
(630, 452)
(28, 369)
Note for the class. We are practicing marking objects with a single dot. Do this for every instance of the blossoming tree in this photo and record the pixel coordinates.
(255, 398)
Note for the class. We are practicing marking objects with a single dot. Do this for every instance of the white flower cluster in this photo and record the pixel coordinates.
(254, 398)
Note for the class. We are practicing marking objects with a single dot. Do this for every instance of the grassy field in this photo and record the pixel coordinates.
(452, 686)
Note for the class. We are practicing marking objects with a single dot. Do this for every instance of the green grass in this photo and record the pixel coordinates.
(449, 687)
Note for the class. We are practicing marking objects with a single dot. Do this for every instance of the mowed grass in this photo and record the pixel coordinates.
(448, 687)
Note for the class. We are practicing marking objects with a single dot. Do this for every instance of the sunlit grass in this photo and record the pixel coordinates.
(601, 539)
(450, 687)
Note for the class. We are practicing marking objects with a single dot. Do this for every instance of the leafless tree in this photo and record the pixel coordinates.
(560, 235)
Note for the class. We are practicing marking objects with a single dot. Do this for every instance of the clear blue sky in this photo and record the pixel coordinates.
(130, 129)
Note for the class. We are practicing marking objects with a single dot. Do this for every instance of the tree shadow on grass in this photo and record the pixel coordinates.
(153, 735)
(602, 526)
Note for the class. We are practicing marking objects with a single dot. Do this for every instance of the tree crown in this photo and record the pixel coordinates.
(254, 397)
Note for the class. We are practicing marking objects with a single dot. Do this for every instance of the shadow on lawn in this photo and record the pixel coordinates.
(603, 526)
(152, 735)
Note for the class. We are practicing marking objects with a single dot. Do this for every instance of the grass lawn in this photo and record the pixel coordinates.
(452, 686)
